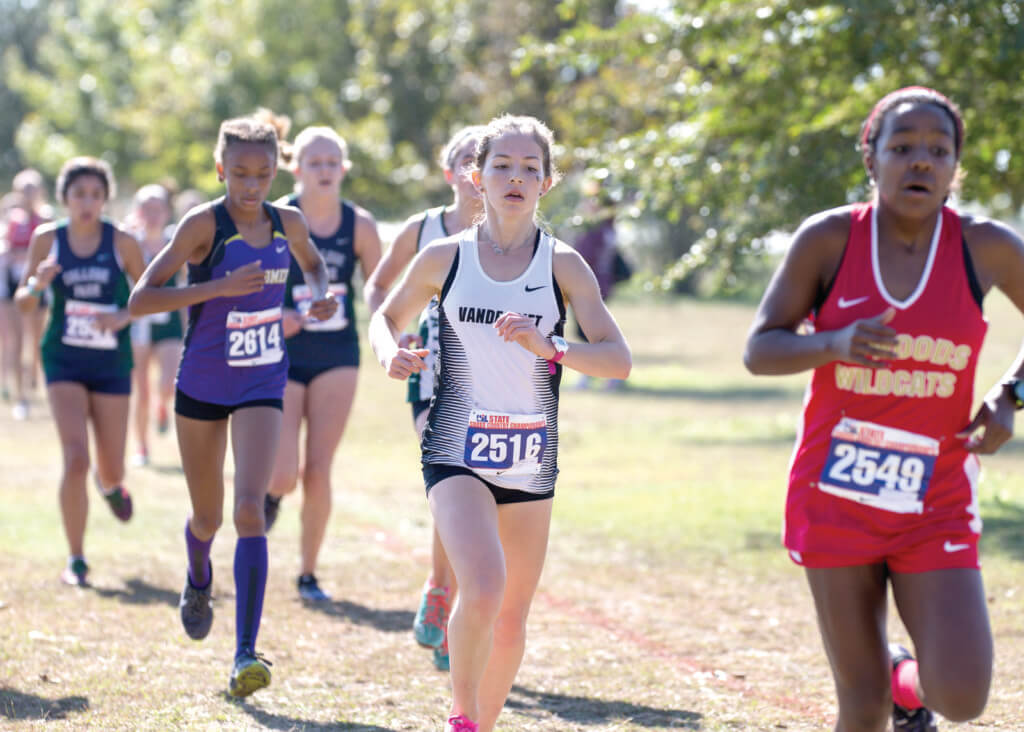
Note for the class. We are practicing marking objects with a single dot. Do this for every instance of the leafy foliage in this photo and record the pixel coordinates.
(730, 120)
(726, 120)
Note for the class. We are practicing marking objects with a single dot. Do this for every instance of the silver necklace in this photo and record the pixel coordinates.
(502, 252)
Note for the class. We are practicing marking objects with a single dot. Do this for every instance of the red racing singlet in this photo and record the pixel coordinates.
(876, 455)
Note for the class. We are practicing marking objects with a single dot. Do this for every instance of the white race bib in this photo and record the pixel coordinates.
(505, 444)
(879, 466)
(254, 339)
(303, 298)
(80, 327)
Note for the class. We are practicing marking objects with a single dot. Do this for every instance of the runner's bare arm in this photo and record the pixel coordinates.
(129, 251)
(39, 265)
(774, 346)
(423, 280)
(367, 244)
(192, 241)
(997, 253)
(607, 355)
(395, 258)
(311, 262)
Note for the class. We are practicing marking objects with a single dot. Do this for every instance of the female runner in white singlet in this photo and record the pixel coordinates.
(490, 447)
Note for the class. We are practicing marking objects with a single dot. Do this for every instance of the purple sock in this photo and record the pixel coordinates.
(250, 581)
(198, 559)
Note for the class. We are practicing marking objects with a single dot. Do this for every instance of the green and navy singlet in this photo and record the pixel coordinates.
(84, 288)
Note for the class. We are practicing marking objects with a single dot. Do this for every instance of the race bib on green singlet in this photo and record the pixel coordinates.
(882, 467)
(81, 329)
(254, 339)
(303, 298)
(505, 444)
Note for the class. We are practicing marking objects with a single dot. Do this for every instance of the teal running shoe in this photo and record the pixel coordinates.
(432, 617)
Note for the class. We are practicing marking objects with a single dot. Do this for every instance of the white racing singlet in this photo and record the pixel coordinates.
(496, 407)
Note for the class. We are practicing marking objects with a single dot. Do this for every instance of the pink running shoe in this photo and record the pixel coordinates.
(460, 723)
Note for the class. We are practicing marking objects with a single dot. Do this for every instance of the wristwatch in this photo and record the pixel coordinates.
(561, 346)
(1015, 388)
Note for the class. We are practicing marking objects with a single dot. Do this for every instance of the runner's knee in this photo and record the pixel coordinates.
(316, 477)
(249, 519)
(959, 694)
(510, 629)
(206, 524)
(76, 460)
(482, 593)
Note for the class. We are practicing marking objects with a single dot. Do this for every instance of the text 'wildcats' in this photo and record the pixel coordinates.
(909, 382)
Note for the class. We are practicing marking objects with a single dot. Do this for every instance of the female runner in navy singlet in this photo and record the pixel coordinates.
(323, 356)
(491, 442)
(234, 365)
(883, 485)
(86, 353)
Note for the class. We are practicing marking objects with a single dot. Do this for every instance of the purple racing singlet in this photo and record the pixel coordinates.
(234, 347)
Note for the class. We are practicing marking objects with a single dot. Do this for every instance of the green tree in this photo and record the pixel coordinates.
(730, 120)
(20, 31)
(147, 83)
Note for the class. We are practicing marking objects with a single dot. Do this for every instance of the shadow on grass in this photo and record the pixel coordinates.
(19, 705)
(138, 592)
(584, 710)
(388, 621)
(269, 720)
(1003, 531)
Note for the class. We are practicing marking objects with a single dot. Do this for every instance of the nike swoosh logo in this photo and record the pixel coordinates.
(534, 289)
(844, 303)
(280, 249)
(950, 547)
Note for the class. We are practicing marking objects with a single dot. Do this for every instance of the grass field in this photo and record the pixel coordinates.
(666, 603)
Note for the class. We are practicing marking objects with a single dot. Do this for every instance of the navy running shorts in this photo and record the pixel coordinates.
(97, 382)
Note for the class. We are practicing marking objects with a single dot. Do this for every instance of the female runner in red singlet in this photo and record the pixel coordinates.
(883, 482)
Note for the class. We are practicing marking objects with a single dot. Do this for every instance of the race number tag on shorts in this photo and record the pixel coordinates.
(160, 318)
(879, 466)
(254, 339)
(80, 327)
(511, 444)
(303, 298)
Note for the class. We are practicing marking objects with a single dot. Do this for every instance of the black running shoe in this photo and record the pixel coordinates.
(249, 674)
(196, 608)
(903, 719)
(271, 506)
